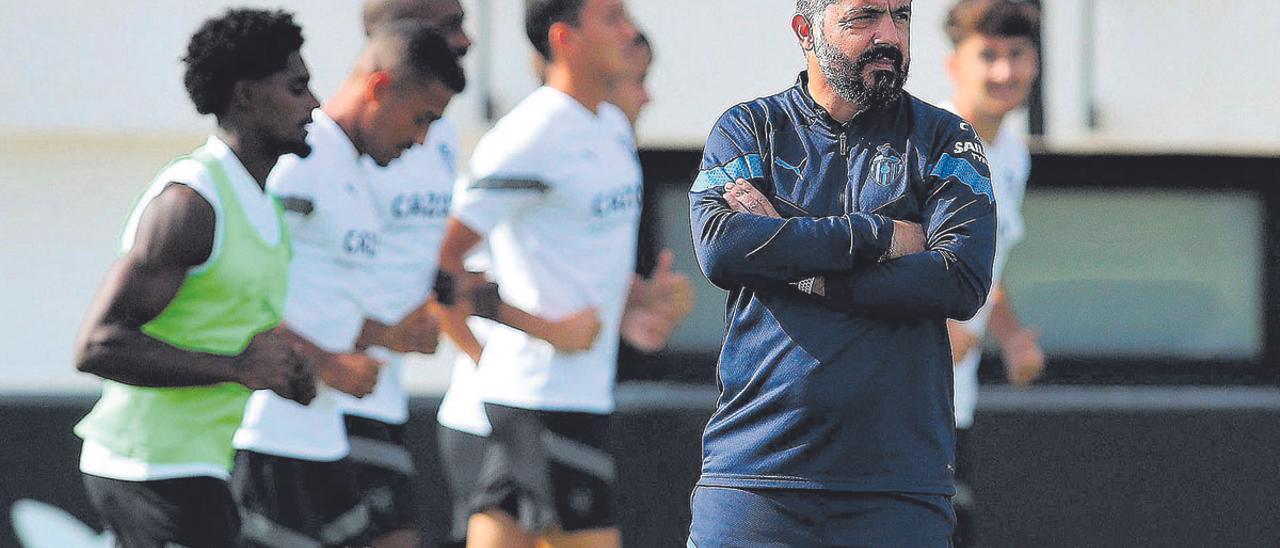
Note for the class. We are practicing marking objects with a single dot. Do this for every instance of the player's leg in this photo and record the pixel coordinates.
(886, 519)
(513, 499)
(495, 528)
(383, 475)
(293, 502)
(193, 512)
(582, 475)
(461, 456)
(728, 517)
(593, 538)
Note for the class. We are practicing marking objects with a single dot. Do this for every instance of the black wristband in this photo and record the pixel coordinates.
(485, 301)
(444, 288)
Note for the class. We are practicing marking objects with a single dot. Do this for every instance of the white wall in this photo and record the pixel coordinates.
(92, 105)
(1166, 75)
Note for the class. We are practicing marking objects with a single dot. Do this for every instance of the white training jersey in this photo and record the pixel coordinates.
(412, 196)
(557, 191)
(1010, 163)
(336, 237)
(462, 409)
(258, 206)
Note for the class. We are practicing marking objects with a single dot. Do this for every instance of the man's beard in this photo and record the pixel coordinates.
(301, 148)
(846, 74)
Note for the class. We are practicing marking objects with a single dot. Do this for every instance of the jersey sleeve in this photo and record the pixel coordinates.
(504, 178)
(952, 277)
(293, 181)
(739, 249)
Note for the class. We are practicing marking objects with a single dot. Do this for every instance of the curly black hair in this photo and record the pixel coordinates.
(242, 44)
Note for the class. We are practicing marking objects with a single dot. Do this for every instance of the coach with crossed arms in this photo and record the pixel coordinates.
(848, 221)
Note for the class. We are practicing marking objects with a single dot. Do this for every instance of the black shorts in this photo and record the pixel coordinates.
(383, 475)
(548, 469)
(461, 457)
(292, 502)
(195, 512)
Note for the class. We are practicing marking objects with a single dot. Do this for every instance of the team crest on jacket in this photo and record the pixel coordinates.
(887, 167)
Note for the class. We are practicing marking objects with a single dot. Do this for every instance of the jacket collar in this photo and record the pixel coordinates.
(815, 113)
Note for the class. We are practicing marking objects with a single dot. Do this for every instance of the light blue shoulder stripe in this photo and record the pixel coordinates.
(963, 171)
(742, 167)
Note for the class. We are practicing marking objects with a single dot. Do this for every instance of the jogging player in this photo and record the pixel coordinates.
(411, 197)
(555, 188)
(993, 66)
(848, 221)
(183, 327)
(289, 479)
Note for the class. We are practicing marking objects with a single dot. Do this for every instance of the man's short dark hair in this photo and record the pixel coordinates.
(242, 44)
(811, 9)
(1005, 18)
(424, 54)
(539, 15)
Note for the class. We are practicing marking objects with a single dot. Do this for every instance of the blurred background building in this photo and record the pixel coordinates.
(1150, 257)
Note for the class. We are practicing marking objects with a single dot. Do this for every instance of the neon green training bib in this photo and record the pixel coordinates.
(218, 310)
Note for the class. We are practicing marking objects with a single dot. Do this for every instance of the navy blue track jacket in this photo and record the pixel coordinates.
(851, 391)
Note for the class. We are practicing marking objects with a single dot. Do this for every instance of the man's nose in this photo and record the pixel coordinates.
(1001, 70)
(887, 33)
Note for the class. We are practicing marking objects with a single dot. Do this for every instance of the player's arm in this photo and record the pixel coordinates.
(656, 305)
(458, 241)
(418, 332)
(952, 276)
(1023, 357)
(477, 297)
(962, 339)
(354, 373)
(174, 234)
(736, 249)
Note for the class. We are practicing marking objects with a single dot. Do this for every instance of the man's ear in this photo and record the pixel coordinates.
(376, 86)
(951, 65)
(803, 31)
(560, 37)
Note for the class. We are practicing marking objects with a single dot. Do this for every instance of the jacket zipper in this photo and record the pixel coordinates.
(848, 200)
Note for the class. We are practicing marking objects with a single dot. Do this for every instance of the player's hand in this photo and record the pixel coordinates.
(656, 306)
(575, 333)
(744, 198)
(270, 362)
(475, 294)
(664, 291)
(417, 332)
(962, 341)
(908, 238)
(1023, 357)
(354, 374)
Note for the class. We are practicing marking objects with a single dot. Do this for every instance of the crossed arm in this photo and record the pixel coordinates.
(943, 275)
